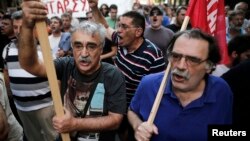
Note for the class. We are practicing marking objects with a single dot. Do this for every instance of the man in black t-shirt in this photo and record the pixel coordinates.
(93, 92)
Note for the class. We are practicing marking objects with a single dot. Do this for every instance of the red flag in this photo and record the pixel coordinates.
(209, 16)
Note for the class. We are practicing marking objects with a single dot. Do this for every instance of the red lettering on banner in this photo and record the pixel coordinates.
(59, 7)
(51, 7)
(66, 4)
(75, 6)
(83, 4)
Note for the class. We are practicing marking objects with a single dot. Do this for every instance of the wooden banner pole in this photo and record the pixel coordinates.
(163, 83)
(50, 69)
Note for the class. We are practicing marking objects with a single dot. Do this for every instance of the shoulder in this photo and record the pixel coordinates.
(218, 90)
(239, 73)
(167, 30)
(110, 70)
(150, 45)
(151, 49)
(217, 84)
(153, 78)
(64, 61)
(216, 80)
(11, 45)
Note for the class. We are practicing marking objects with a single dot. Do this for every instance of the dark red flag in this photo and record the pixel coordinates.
(209, 16)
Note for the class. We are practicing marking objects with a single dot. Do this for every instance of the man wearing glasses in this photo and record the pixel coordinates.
(136, 56)
(192, 99)
(93, 92)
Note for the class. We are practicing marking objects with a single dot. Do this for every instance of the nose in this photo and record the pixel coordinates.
(181, 64)
(84, 52)
(18, 30)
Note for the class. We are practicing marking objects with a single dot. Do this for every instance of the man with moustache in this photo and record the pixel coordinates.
(136, 56)
(192, 99)
(93, 92)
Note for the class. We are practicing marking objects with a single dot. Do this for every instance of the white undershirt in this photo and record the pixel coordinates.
(54, 44)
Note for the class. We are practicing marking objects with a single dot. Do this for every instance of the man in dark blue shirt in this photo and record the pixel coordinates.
(192, 99)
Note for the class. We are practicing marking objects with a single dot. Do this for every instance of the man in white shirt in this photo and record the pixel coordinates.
(55, 37)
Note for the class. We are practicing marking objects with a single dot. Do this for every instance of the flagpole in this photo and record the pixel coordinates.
(164, 82)
(50, 69)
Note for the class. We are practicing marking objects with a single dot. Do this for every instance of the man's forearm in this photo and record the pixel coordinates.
(133, 119)
(104, 123)
(99, 17)
(26, 48)
(4, 127)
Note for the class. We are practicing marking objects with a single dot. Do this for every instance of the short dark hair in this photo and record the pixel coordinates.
(113, 6)
(57, 18)
(17, 15)
(213, 48)
(178, 10)
(67, 15)
(7, 17)
(240, 44)
(137, 19)
(235, 13)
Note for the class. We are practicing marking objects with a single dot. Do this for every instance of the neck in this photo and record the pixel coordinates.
(56, 34)
(135, 45)
(66, 29)
(156, 28)
(186, 97)
(11, 36)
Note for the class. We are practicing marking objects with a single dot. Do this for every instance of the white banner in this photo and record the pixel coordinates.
(80, 7)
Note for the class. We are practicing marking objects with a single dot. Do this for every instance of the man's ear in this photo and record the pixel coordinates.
(138, 32)
(209, 66)
(234, 54)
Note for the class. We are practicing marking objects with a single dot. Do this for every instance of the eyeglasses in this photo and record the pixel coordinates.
(124, 26)
(190, 60)
(78, 46)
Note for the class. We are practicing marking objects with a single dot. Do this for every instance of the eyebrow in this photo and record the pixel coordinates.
(80, 43)
(186, 55)
(77, 43)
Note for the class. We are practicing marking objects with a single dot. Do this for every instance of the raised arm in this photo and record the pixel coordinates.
(97, 15)
(28, 57)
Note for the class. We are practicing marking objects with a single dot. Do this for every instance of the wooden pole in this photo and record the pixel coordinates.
(50, 69)
(163, 83)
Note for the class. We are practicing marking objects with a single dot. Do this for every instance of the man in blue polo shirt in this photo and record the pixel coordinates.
(192, 99)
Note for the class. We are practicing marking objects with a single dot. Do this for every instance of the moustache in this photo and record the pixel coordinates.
(84, 59)
(183, 74)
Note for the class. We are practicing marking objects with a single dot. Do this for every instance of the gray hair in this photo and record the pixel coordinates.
(17, 15)
(91, 28)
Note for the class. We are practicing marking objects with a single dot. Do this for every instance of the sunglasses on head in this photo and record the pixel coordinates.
(155, 13)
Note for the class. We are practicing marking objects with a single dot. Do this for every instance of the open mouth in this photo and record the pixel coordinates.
(119, 37)
(119, 40)
(178, 77)
(84, 63)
